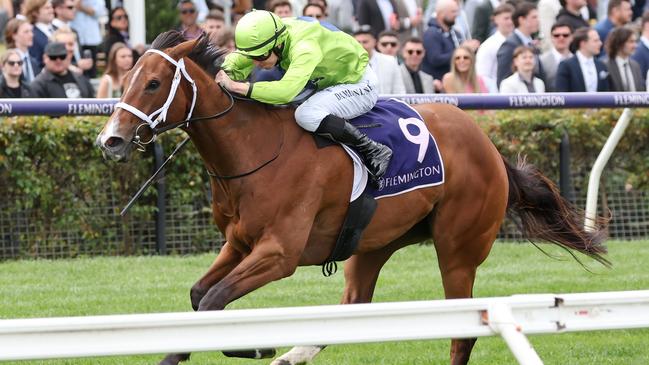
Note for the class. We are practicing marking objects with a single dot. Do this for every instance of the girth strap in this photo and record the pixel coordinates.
(359, 215)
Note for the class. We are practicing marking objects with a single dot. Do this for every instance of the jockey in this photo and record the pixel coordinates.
(308, 51)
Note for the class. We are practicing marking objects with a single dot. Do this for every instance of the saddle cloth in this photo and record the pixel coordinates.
(416, 162)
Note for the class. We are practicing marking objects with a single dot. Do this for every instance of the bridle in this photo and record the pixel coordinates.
(160, 116)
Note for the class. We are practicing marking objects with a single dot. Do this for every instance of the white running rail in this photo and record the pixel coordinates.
(511, 317)
(598, 167)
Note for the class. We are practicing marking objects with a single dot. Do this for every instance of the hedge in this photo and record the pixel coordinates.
(50, 168)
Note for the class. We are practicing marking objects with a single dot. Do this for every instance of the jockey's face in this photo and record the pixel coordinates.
(268, 63)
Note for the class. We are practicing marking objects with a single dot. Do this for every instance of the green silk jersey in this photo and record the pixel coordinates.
(310, 52)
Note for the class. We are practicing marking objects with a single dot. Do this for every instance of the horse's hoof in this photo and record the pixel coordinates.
(251, 354)
(280, 362)
(174, 359)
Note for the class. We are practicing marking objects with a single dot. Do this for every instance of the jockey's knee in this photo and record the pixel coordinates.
(309, 118)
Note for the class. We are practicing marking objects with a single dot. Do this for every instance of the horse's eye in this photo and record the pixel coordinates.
(152, 85)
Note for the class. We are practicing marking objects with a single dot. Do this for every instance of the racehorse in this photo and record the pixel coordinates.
(279, 200)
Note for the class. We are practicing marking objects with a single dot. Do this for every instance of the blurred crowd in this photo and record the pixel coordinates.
(81, 48)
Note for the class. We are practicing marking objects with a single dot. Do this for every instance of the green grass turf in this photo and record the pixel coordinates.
(109, 285)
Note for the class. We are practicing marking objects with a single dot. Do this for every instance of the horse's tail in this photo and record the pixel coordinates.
(545, 215)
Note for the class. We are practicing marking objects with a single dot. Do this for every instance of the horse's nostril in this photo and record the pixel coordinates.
(113, 142)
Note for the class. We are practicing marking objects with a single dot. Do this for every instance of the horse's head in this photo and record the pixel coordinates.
(158, 91)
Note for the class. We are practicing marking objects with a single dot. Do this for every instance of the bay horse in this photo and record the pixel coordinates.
(279, 200)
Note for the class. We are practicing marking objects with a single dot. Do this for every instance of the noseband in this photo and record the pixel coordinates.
(160, 115)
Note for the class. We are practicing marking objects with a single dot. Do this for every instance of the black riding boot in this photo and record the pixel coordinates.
(375, 155)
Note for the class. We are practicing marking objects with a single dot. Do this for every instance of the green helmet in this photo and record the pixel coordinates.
(257, 33)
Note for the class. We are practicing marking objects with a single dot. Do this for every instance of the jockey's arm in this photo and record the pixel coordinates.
(304, 58)
(237, 66)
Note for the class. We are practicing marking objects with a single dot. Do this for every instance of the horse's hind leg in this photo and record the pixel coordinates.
(463, 242)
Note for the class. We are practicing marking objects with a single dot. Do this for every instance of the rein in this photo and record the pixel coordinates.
(160, 116)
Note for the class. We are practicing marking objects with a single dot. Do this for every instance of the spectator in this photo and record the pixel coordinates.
(571, 14)
(40, 13)
(522, 81)
(385, 66)
(548, 11)
(214, 23)
(462, 21)
(19, 35)
(619, 14)
(584, 72)
(462, 78)
(64, 12)
(188, 16)
(20, 5)
(486, 60)
(120, 61)
(86, 23)
(481, 23)
(202, 9)
(526, 21)
(6, 13)
(625, 73)
(412, 24)
(11, 82)
(224, 40)
(117, 32)
(55, 81)
(561, 36)
(66, 36)
(314, 11)
(377, 17)
(405, 19)
(388, 43)
(416, 81)
(116, 29)
(339, 14)
(440, 39)
(282, 8)
(641, 54)
(321, 3)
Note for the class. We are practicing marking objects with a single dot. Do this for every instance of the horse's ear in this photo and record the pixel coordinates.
(183, 49)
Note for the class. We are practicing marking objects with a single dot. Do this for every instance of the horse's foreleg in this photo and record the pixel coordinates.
(224, 263)
(361, 274)
(227, 259)
(268, 262)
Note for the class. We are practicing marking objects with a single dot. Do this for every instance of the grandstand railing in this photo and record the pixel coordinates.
(57, 107)
(81, 107)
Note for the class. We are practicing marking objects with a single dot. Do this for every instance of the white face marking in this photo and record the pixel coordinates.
(110, 130)
(135, 75)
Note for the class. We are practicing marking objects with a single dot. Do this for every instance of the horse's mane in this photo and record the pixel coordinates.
(208, 56)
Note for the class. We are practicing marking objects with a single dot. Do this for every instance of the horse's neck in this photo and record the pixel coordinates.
(242, 140)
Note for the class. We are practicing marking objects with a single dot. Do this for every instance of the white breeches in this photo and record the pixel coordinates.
(345, 100)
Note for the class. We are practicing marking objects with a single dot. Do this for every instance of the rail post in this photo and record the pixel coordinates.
(161, 203)
(565, 179)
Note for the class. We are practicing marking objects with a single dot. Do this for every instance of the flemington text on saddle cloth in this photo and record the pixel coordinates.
(416, 162)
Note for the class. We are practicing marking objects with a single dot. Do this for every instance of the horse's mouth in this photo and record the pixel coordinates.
(115, 157)
(116, 150)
